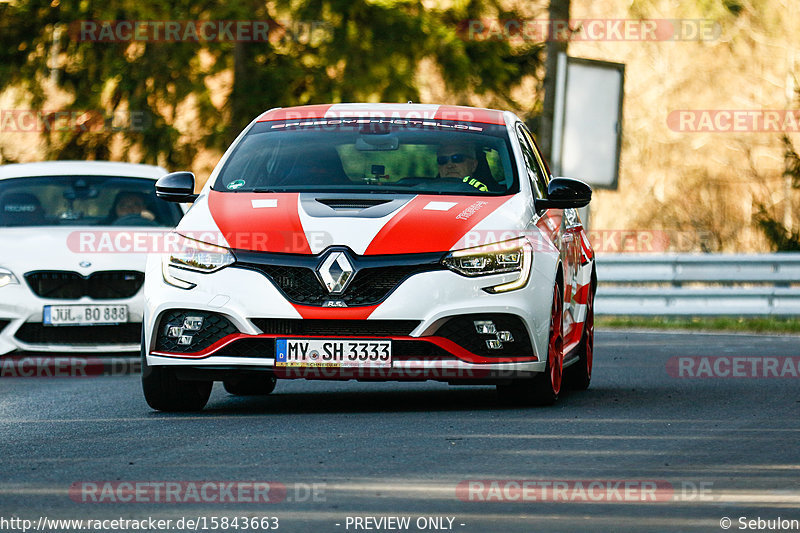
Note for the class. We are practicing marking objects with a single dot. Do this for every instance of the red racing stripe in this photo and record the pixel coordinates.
(298, 112)
(470, 114)
(260, 229)
(447, 345)
(445, 112)
(415, 229)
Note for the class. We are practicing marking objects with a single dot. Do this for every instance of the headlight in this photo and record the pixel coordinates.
(7, 277)
(498, 258)
(195, 256)
(200, 256)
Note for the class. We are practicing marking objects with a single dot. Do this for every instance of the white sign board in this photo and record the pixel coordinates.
(587, 126)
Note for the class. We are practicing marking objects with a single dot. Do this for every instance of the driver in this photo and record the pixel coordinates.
(131, 204)
(459, 161)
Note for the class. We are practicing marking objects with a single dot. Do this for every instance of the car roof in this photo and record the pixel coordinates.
(401, 111)
(80, 168)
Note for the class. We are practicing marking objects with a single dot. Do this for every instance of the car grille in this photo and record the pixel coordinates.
(318, 327)
(214, 328)
(104, 285)
(369, 286)
(461, 330)
(37, 333)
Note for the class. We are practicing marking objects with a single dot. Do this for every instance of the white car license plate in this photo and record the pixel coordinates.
(333, 353)
(84, 315)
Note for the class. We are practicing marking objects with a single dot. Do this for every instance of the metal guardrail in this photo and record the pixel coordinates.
(699, 285)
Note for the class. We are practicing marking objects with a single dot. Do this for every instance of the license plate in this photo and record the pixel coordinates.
(84, 315)
(333, 353)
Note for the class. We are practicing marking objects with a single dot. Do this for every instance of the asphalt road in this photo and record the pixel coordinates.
(694, 449)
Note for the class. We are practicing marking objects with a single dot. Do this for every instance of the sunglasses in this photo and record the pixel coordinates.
(455, 158)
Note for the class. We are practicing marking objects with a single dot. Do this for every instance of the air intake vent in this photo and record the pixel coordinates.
(323, 327)
(351, 203)
(38, 333)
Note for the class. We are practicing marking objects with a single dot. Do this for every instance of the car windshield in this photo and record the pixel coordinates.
(372, 155)
(84, 201)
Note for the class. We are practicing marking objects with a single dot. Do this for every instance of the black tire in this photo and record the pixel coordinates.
(543, 389)
(578, 376)
(165, 392)
(252, 385)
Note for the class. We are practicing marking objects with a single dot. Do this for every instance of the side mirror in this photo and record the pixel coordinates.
(565, 193)
(176, 187)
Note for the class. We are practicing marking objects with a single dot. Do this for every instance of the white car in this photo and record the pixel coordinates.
(373, 242)
(59, 290)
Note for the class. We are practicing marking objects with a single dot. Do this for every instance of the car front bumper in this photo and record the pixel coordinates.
(429, 299)
(22, 313)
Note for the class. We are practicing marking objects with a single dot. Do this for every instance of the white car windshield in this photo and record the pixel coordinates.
(403, 156)
(83, 201)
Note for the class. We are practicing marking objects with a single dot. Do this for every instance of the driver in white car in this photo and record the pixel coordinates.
(131, 204)
(459, 161)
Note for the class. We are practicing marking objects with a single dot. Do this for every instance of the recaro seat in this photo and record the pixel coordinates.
(21, 209)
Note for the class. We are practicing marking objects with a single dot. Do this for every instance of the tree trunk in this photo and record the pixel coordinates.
(558, 11)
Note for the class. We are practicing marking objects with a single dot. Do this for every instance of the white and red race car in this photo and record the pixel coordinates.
(373, 242)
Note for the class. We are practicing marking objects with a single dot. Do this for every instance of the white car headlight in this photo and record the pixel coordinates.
(199, 256)
(7, 278)
(195, 256)
(497, 258)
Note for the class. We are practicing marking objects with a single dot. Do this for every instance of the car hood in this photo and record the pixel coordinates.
(369, 224)
(59, 248)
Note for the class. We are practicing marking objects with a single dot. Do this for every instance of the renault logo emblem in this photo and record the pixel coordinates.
(335, 272)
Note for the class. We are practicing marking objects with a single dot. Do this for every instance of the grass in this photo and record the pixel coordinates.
(739, 324)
